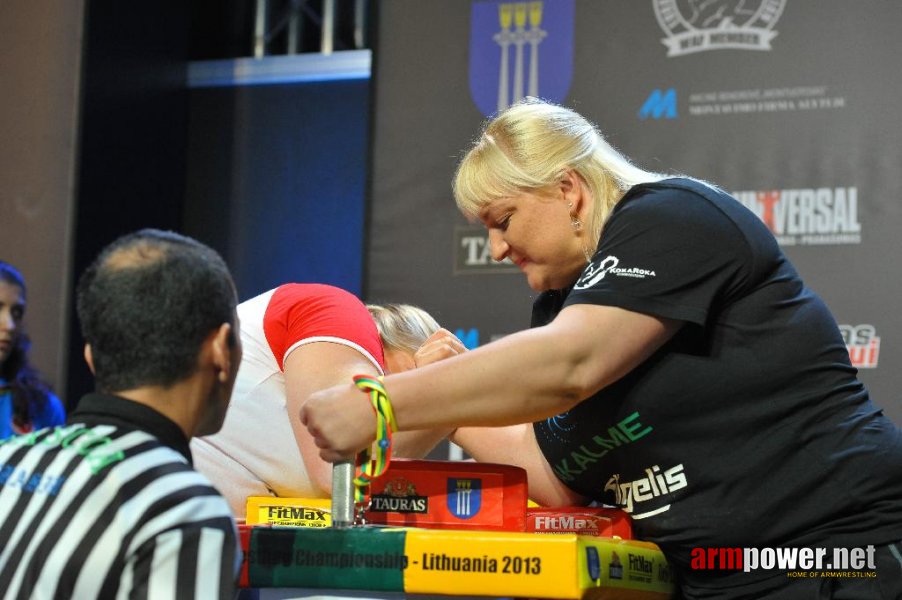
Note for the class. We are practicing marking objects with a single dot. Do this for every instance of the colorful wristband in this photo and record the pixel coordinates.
(369, 466)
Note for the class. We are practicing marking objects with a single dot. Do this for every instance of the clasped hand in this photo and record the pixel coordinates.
(341, 420)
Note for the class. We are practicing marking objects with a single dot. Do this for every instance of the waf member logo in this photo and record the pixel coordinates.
(807, 216)
(464, 497)
(699, 25)
(863, 345)
(520, 49)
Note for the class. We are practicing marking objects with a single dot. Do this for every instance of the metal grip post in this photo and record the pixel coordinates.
(343, 494)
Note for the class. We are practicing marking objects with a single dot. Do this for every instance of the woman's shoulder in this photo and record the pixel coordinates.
(670, 200)
(679, 199)
(673, 187)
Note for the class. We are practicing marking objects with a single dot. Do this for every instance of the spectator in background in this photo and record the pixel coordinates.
(109, 506)
(300, 338)
(26, 401)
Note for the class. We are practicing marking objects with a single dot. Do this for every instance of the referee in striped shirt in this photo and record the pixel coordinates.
(108, 505)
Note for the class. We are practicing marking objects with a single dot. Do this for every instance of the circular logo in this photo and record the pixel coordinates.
(698, 25)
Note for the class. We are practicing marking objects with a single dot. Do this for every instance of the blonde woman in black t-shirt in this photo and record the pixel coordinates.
(678, 367)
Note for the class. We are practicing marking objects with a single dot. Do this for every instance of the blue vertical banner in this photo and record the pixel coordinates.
(520, 49)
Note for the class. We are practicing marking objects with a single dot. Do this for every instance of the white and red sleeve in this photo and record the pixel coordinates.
(303, 313)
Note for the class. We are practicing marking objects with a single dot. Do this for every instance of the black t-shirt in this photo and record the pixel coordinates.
(749, 428)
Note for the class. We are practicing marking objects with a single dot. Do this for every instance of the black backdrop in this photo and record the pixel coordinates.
(793, 105)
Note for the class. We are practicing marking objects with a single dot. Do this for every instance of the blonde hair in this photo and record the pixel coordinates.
(530, 146)
(402, 326)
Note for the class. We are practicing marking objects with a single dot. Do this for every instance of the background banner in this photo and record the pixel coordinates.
(793, 106)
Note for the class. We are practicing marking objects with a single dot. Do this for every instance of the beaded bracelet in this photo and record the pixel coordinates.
(370, 467)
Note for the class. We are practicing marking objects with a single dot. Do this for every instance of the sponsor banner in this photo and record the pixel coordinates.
(353, 558)
(632, 568)
(440, 494)
(399, 495)
(294, 512)
(863, 344)
(660, 104)
(663, 103)
(472, 563)
(763, 100)
(523, 565)
(473, 255)
(807, 216)
(598, 521)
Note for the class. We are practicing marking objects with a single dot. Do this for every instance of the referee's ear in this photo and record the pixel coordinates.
(225, 353)
(89, 358)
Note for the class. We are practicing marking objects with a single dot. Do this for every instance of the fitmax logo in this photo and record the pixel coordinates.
(660, 105)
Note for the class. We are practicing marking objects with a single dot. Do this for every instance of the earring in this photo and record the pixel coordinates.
(574, 220)
(578, 225)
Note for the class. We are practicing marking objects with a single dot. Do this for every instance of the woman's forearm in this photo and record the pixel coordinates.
(514, 380)
(524, 377)
(530, 375)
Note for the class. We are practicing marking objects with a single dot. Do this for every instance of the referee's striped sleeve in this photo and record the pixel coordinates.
(64, 524)
(191, 562)
(110, 513)
(158, 536)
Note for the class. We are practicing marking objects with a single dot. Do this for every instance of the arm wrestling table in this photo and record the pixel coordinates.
(439, 529)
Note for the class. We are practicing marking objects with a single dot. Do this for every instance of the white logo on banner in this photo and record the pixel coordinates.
(717, 24)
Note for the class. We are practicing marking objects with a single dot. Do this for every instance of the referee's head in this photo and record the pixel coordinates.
(150, 305)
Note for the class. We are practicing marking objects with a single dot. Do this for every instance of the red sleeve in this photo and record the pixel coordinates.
(301, 311)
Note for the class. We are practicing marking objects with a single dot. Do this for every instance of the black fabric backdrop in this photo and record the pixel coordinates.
(792, 105)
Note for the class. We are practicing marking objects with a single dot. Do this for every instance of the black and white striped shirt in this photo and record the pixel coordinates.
(109, 506)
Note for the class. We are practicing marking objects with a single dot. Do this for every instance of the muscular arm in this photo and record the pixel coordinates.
(521, 378)
(319, 365)
(516, 445)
